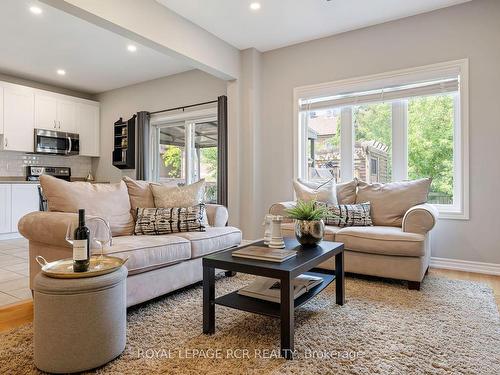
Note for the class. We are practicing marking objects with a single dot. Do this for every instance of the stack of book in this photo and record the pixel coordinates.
(270, 289)
(264, 253)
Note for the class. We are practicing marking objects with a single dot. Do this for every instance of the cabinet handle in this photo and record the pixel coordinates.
(6, 142)
(55, 124)
(59, 124)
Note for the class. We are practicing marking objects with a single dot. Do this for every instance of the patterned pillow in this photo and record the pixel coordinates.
(151, 221)
(348, 215)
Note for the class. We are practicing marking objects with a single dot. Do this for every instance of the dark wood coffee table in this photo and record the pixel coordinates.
(306, 261)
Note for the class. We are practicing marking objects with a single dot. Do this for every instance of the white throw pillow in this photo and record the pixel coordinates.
(307, 191)
(178, 196)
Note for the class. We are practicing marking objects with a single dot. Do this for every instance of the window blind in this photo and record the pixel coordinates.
(444, 86)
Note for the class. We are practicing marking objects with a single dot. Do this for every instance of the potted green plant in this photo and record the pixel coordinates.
(309, 225)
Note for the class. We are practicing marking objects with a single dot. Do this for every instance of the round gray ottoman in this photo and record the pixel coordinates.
(79, 324)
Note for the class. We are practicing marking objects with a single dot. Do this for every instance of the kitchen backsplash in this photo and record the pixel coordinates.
(13, 164)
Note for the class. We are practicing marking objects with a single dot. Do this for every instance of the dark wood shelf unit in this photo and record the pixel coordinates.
(272, 309)
(124, 143)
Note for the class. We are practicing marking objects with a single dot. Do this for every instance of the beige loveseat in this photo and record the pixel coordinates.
(156, 264)
(400, 250)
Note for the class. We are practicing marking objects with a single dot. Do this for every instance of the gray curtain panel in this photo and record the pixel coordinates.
(142, 169)
(222, 150)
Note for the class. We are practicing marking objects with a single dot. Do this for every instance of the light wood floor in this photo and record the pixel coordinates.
(21, 313)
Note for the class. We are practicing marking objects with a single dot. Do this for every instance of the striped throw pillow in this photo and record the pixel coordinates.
(156, 221)
(348, 215)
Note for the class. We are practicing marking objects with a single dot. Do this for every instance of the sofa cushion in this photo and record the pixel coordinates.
(155, 221)
(140, 194)
(348, 215)
(382, 240)
(346, 191)
(178, 196)
(288, 230)
(389, 202)
(149, 252)
(308, 191)
(109, 201)
(212, 240)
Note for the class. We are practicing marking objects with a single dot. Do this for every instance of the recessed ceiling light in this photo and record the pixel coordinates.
(61, 72)
(132, 48)
(35, 10)
(255, 6)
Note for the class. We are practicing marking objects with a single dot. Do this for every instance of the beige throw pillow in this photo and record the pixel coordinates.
(178, 196)
(345, 191)
(308, 191)
(389, 202)
(140, 193)
(109, 201)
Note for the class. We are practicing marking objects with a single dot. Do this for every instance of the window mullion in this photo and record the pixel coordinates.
(188, 151)
(457, 156)
(400, 140)
(346, 144)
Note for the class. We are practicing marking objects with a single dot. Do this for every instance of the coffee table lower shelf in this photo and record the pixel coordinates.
(272, 309)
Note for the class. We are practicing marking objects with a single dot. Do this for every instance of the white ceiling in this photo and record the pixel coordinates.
(96, 60)
(284, 22)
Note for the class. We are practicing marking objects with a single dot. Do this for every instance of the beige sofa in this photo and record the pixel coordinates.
(398, 251)
(157, 264)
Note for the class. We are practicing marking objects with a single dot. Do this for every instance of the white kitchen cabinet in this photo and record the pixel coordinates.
(25, 109)
(66, 115)
(18, 118)
(25, 199)
(5, 208)
(54, 112)
(1, 110)
(88, 128)
(45, 112)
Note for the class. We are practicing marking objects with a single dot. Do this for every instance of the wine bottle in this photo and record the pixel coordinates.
(81, 245)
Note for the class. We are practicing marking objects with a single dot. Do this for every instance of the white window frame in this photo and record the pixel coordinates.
(460, 208)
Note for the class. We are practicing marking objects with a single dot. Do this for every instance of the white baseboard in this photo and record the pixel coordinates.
(465, 265)
(10, 236)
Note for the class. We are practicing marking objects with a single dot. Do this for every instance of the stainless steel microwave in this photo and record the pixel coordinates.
(56, 143)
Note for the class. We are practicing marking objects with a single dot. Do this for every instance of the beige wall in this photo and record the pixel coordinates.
(471, 30)
(173, 91)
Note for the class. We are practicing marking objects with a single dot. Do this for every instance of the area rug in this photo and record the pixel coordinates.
(449, 327)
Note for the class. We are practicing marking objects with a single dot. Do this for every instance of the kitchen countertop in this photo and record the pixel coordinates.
(22, 180)
(16, 180)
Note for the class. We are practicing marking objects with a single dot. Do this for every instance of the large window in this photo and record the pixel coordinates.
(186, 151)
(401, 125)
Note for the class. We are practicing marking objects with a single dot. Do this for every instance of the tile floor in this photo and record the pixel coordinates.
(14, 271)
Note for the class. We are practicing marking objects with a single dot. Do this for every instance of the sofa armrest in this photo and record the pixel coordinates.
(47, 227)
(217, 215)
(50, 227)
(279, 209)
(420, 219)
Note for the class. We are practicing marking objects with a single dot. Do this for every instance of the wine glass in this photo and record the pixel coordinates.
(70, 233)
(100, 233)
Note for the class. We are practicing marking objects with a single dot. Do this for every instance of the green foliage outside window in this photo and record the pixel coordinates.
(430, 142)
(373, 123)
(430, 138)
(172, 159)
(209, 159)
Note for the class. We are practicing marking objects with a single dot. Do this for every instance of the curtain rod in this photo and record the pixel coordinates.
(183, 108)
